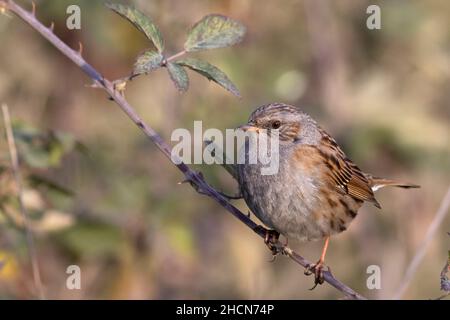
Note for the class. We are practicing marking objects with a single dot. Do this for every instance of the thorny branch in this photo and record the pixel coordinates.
(194, 178)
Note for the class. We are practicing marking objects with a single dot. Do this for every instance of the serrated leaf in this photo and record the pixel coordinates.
(141, 22)
(211, 72)
(214, 31)
(148, 61)
(179, 76)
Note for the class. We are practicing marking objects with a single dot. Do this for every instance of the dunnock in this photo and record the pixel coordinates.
(317, 190)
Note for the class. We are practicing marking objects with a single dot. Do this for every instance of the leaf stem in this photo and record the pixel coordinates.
(164, 62)
(175, 56)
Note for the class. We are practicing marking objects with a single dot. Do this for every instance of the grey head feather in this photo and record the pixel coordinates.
(308, 132)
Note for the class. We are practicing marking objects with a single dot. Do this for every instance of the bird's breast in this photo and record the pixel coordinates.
(297, 200)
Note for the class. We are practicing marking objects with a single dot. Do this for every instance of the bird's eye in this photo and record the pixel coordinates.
(276, 124)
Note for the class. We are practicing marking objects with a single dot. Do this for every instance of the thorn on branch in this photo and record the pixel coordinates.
(190, 178)
(33, 8)
(52, 27)
(80, 48)
(124, 80)
(94, 85)
(183, 181)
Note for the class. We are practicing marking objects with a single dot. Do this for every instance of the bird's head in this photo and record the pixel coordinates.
(292, 124)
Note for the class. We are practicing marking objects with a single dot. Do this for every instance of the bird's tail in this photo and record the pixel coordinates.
(377, 183)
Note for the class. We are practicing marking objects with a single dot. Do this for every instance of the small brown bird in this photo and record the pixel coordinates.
(317, 190)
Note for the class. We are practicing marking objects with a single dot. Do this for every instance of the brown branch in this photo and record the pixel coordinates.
(16, 172)
(194, 178)
(420, 254)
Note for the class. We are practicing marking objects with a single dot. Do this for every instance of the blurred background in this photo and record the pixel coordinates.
(101, 196)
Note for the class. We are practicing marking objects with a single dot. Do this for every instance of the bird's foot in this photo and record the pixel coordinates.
(271, 240)
(317, 270)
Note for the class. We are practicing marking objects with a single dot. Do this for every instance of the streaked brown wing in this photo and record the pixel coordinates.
(347, 176)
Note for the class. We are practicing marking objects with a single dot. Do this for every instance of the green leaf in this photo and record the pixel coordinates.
(90, 239)
(211, 72)
(42, 149)
(141, 22)
(181, 238)
(214, 31)
(148, 61)
(37, 181)
(179, 76)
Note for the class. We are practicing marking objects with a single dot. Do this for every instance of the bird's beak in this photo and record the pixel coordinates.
(248, 127)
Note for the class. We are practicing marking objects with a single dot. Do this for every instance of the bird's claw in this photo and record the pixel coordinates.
(317, 270)
(270, 239)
